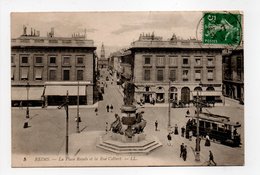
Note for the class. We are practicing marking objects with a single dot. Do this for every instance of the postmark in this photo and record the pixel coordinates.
(221, 28)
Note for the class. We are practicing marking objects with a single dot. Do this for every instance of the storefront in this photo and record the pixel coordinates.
(56, 92)
(19, 96)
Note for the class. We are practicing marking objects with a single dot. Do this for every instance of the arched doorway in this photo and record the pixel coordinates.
(147, 96)
(185, 95)
(210, 99)
(160, 93)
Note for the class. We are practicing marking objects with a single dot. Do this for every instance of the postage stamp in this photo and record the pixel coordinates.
(222, 28)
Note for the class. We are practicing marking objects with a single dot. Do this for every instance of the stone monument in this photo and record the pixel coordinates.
(127, 132)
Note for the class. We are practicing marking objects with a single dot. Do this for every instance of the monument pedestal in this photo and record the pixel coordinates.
(129, 140)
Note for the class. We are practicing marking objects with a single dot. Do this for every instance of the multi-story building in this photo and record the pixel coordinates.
(176, 69)
(233, 74)
(48, 67)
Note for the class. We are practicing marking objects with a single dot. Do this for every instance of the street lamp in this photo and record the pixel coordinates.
(169, 108)
(66, 107)
(27, 108)
(78, 117)
(198, 108)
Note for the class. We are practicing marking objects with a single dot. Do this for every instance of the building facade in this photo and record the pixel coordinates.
(176, 70)
(233, 74)
(48, 67)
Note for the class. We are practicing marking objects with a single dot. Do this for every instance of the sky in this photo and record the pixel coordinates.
(115, 29)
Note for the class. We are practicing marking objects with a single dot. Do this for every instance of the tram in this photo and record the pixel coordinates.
(217, 127)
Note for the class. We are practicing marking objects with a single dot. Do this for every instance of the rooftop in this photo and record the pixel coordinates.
(35, 41)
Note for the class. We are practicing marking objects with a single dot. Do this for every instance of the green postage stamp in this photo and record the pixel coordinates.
(222, 28)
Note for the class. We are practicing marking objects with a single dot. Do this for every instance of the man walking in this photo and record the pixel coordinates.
(111, 108)
(181, 149)
(182, 131)
(169, 137)
(184, 153)
(107, 108)
(156, 125)
(211, 158)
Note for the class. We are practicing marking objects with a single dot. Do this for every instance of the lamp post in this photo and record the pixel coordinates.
(27, 108)
(169, 108)
(198, 108)
(78, 117)
(66, 107)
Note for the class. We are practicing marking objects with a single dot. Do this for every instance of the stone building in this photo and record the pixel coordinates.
(176, 69)
(47, 67)
(233, 74)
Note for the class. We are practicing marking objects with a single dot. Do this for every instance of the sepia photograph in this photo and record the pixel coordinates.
(127, 89)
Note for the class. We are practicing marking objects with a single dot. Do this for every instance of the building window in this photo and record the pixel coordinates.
(38, 60)
(147, 75)
(147, 60)
(38, 74)
(80, 60)
(198, 61)
(24, 75)
(210, 75)
(52, 60)
(185, 61)
(159, 75)
(66, 60)
(52, 75)
(172, 61)
(66, 75)
(12, 59)
(239, 68)
(197, 75)
(185, 75)
(79, 74)
(210, 62)
(24, 60)
(172, 75)
(160, 61)
(12, 74)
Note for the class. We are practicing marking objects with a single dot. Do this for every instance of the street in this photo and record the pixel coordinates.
(46, 134)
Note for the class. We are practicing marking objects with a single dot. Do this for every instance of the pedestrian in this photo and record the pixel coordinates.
(181, 149)
(176, 132)
(96, 111)
(184, 153)
(182, 131)
(197, 147)
(26, 123)
(156, 125)
(169, 137)
(190, 135)
(107, 108)
(106, 127)
(207, 142)
(111, 108)
(188, 113)
(21, 104)
(211, 158)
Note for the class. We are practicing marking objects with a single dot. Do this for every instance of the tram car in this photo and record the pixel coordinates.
(218, 128)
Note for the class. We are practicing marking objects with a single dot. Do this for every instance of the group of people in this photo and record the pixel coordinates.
(110, 107)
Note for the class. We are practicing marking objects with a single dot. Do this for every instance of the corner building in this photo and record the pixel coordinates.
(176, 69)
(47, 67)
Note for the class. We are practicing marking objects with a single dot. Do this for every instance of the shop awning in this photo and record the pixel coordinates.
(20, 93)
(207, 93)
(59, 90)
